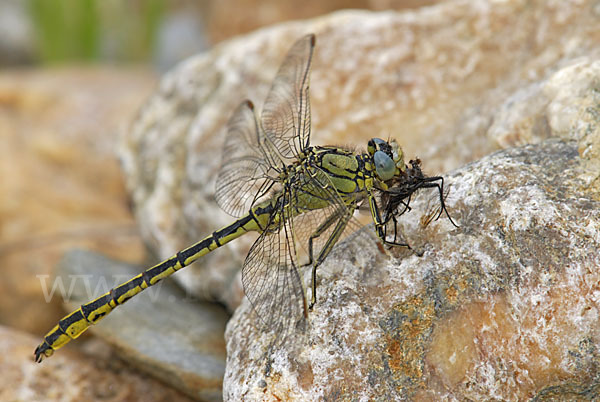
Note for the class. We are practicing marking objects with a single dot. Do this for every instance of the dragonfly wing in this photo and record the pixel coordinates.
(320, 223)
(253, 153)
(246, 173)
(272, 282)
(286, 113)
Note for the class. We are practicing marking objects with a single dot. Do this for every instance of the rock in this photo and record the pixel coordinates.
(223, 24)
(61, 185)
(494, 309)
(447, 81)
(504, 307)
(162, 331)
(71, 376)
(563, 105)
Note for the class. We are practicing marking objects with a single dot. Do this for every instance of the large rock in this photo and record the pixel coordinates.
(502, 307)
(505, 306)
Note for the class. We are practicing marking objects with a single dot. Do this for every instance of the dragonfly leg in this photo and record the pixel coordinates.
(391, 215)
(432, 184)
(331, 241)
(380, 224)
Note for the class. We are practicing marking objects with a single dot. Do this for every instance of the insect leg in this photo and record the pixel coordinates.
(380, 224)
(431, 182)
(331, 241)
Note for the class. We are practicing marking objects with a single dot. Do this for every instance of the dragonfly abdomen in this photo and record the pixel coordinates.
(74, 324)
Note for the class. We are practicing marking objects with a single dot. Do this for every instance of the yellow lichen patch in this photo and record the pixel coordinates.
(407, 333)
(451, 294)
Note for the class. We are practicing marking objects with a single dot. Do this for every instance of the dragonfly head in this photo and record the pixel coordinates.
(388, 158)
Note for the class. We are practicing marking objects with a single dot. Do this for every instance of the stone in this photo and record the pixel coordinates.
(162, 331)
(16, 34)
(504, 306)
(71, 375)
(223, 24)
(443, 80)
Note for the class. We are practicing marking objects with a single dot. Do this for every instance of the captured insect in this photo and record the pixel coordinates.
(396, 199)
(296, 196)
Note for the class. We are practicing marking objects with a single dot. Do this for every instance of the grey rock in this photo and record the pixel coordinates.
(17, 45)
(162, 330)
(180, 35)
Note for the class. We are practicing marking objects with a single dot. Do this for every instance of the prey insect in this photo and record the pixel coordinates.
(396, 199)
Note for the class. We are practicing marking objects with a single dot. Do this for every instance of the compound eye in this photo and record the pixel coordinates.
(384, 166)
(375, 145)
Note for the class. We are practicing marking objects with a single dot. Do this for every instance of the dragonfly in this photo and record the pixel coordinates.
(296, 196)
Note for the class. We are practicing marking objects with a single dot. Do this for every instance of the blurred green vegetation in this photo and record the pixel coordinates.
(90, 30)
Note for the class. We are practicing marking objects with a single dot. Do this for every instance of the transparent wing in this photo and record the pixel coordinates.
(272, 282)
(322, 214)
(286, 113)
(246, 174)
(271, 278)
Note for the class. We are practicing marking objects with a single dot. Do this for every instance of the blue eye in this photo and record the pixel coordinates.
(384, 165)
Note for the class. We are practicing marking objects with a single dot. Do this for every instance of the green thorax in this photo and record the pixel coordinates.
(324, 167)
(318, 175)
(349, 173)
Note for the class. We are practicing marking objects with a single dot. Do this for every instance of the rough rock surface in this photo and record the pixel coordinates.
(443, 80)
(71, 376)
(505, 306)
(162, 331)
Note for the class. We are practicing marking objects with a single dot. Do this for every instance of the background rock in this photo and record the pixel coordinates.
(251, 14)
(60, 181)
(505, 306)
(71, 376)
(16, 34)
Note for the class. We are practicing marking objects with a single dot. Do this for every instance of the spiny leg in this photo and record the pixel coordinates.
(380, 224)
(390, 215)
(430, 182)
(331, 241)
